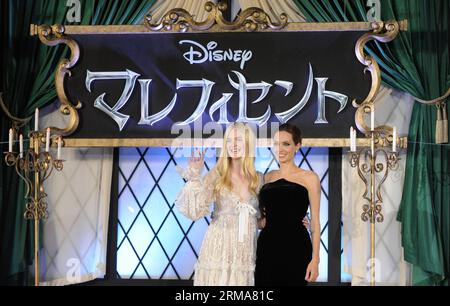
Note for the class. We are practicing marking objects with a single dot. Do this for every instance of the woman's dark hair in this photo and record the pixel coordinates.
(293, 130)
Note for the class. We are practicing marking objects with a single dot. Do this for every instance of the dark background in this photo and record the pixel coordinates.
(276, 56)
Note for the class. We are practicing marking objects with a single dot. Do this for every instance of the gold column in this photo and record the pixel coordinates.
(372, 209)
(35, 140)
(34, 167)
(365, 160)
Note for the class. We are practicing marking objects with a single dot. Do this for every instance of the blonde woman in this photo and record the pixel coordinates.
(227, 254)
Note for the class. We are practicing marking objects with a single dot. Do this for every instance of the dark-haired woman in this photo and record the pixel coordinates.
(285, 254)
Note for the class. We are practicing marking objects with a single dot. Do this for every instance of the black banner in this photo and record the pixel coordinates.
(152, 85)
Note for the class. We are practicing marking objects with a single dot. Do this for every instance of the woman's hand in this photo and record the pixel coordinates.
(197, 159)
(261, 223)
(312, 272)
(306, 224)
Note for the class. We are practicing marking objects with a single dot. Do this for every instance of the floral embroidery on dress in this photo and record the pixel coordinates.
(228, 251)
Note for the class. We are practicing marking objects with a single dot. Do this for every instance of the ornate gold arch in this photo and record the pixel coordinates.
(383, 32)
(52, 36)
(250, 20)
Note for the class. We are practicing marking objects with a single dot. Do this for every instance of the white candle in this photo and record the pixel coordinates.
(47, 141)
(372, 147)
(394, 140)
(58, 156)
(351, 139)
(354, 140)
(372, 119)
(21, 145)
(36, 119)
(11, 136)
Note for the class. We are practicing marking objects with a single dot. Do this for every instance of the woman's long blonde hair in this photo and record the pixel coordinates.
(248, 161)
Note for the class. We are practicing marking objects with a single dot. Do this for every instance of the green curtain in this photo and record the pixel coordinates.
(120, 11)
(27, 82)
(417, 62)
(23, 87)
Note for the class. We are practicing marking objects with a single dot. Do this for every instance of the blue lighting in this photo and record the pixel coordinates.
(154, 240)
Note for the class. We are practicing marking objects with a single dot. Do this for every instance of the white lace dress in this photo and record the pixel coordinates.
(228, 251)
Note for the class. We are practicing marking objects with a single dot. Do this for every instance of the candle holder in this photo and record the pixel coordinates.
(34, 167)
(370, 161)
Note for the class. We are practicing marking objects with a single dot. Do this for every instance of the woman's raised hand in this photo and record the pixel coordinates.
(197, 159)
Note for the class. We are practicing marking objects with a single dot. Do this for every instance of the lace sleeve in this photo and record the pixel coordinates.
(261, 181)
(195, 197)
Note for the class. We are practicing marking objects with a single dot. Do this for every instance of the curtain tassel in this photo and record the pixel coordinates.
(444, 123)
(439, 128)
(441, 133)
(441, 123)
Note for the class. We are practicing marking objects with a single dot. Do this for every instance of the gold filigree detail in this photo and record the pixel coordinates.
(382, 32)
(34, 168)
(367, 166)
(250, 20)
(52, 36)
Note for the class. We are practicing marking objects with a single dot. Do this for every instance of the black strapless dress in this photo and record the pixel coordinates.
(284, 247)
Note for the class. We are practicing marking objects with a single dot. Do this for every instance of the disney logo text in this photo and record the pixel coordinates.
(203, 54)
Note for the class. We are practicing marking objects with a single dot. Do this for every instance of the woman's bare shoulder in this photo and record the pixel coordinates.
(307, 178)
(268, 177)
